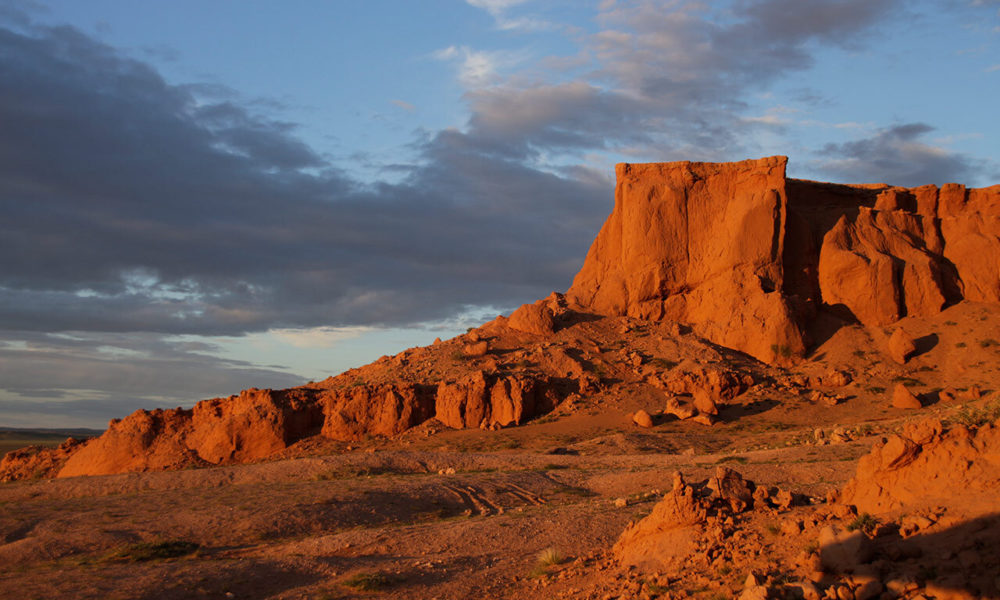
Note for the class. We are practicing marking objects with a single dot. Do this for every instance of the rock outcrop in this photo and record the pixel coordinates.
(250, 426)
(259, 423)
(926, 466)
(699, 243)
(747, 256)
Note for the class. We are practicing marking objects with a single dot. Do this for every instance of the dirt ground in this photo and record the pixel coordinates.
(524, 512)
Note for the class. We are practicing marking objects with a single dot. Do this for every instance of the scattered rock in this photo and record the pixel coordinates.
(642, 419)
(536, 319)
(904, 398)
(901, 346)
(843, 551)
(680, 410)
(476, 349)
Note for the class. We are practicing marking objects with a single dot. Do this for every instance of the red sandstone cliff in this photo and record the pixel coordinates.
(747, 256)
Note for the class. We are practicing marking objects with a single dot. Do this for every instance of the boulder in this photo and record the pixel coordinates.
(664, 539)
(729, 486)
(704, 403)
(680, 410)
(536, 319)
(901, 346)
(904, 398)
(842, 551)
(642, 419)
(476, 349)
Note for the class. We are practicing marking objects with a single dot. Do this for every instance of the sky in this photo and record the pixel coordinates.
(201, 197)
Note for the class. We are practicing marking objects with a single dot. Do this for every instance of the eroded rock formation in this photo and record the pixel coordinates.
(747, 256)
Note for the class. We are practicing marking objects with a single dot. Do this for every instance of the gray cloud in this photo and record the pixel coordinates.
(85, 378)
(896, 155)
(670, 78)
(134, 205)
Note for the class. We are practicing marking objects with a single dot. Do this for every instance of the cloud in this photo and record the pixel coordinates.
(898, 156)
(498, 10)
(477, 68)
(671, 78)
(404, 105)
(84, 378)
(135, 205)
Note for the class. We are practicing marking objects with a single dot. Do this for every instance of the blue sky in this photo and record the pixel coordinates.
(203, 197)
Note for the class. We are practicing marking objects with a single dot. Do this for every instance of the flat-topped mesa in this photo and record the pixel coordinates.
(700, 243)
(746, 256)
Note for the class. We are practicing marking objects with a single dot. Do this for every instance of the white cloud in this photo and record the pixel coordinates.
(478, 68)
(317, 337)
(404, 105)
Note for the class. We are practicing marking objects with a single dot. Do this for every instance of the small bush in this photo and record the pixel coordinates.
(547, 558)
(960, 345)
(550, 557)
(153, 551)
(368, 582)
(987, 343)
(865, 522)
(781, 350)
(663, 363)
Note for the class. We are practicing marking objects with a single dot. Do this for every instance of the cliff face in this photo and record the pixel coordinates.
(700, 243)
(747, 256)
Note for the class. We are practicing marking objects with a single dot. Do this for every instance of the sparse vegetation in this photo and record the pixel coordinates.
(662, 363)
(988, 343)
(875, 389)
(976, 416)
(546, 559)
(368, 582)
(865, 522)
(146, 551)
(781, 350)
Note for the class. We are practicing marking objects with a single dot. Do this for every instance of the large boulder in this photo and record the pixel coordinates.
(533, 318)
(925, 466)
